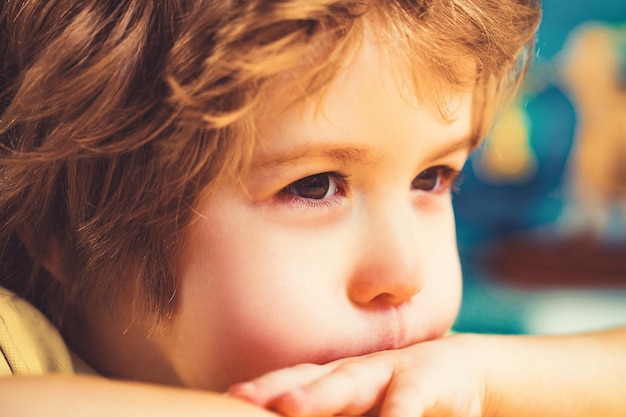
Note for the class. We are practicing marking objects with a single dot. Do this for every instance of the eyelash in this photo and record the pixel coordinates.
(340, 180)
(447, 179)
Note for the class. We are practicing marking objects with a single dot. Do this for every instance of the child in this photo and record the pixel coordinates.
(196, 193)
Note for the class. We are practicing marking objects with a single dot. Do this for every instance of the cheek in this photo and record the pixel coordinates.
(444, 299)
(437, 305)
(440, 299)
(250, 304)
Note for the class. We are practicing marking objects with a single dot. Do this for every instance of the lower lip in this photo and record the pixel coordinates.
(391, 331)
(391, 344)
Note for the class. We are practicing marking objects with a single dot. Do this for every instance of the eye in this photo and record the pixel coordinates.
(438, 178)
(315, 187)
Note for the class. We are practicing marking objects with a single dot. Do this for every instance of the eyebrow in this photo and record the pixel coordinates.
(342, 155)
(354, 156)
(469, 142)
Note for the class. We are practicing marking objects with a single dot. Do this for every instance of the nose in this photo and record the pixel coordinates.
(390, 268)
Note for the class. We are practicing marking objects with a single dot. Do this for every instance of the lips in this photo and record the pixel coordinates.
(383, 330)
(393, 342)
(395, 327)
(393, 336)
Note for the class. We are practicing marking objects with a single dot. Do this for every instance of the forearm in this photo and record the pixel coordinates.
(82, 396)
(578, 375)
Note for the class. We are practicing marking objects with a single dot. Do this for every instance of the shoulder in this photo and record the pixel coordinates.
(29, 343)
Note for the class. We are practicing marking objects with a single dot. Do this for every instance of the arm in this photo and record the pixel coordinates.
(577, 375)
(461, 375)
(87, 396)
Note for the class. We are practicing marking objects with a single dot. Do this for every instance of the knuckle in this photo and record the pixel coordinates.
(350, 370)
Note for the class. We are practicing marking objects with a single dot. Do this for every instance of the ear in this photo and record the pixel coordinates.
(51, 253)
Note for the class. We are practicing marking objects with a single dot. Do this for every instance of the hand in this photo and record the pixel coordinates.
(435, 378)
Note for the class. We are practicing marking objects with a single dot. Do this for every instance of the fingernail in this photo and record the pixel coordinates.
(243, 390)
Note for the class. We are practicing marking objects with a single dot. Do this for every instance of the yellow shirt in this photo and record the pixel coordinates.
(29, 343)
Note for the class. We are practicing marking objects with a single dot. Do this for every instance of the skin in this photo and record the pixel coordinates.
(462, 375)
(358, 257)
(75, 396)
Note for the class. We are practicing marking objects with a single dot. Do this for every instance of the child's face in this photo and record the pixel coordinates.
(340, 242)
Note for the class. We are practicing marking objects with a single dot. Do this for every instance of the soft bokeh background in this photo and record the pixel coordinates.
(541, 210)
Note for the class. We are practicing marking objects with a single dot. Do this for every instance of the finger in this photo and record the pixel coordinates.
(263, 390)
(352, 388)
(403, 398)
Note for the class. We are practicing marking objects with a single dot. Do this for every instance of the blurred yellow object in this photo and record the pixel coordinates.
(591, 73)
(508, 156)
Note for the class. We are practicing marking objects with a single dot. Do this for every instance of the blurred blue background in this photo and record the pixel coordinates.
(534, 260)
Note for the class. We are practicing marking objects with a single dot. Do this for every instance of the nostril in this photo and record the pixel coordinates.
(385, 299)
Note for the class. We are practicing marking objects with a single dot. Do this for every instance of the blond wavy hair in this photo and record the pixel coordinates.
(117, 117)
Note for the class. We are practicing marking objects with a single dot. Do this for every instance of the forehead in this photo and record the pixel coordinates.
(367, 104)
(368, 73)
(365, 54)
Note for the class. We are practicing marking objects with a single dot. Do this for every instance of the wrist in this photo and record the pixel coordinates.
(480, 358)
